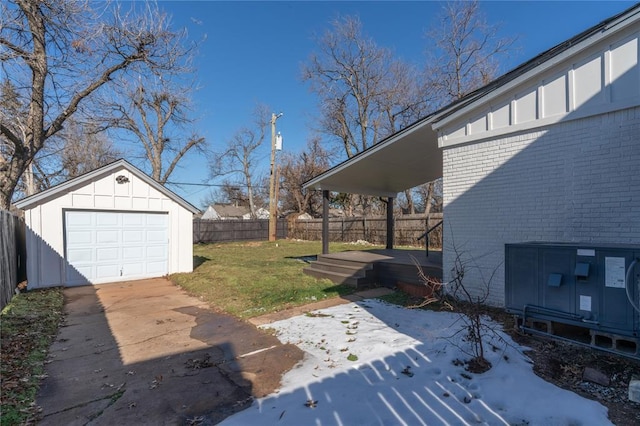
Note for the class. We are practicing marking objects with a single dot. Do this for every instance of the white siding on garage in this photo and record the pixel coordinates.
(103, 246)
(47, 228)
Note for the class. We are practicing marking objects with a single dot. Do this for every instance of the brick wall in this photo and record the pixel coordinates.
(575, 181)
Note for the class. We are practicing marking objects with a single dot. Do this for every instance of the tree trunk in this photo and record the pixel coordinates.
(411, 208)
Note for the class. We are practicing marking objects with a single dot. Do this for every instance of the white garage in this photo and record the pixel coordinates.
(112, 224)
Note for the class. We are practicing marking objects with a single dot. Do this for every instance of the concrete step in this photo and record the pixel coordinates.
(391, 274)
(355, 270)
(346, 262)
(337, 277)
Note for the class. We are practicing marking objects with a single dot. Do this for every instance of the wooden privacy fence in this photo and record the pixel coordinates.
(215, 231)
(371, 229)
(12, 255)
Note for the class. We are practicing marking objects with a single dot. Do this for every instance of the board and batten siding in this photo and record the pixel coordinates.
(554, 158)
(46, 233)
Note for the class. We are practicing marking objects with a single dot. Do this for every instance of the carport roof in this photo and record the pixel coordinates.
(404, 160)
(47, 194)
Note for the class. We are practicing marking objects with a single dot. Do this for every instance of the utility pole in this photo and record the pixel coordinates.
(273, 207)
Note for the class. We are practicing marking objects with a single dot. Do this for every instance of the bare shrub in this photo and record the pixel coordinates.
(456, 295)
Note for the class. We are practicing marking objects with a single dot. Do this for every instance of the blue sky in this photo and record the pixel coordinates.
(253, 53)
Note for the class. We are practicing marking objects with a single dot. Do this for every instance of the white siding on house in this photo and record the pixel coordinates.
(574, 181)
(602, 78)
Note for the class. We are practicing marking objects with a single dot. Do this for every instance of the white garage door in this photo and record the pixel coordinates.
(115, 246)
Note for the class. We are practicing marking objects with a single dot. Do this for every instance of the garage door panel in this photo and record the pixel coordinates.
(132, 236)
(109, 271)
(134, 253)
(107, 219)
(80, 219)
(114, 246)
(156, 252)
(133, 269)
(107, 254)
(75, 238)
(157, 220)
(133, 219)
(80, 255)
(79, 275)
(156, 236)
(157, 268)
(110, 236)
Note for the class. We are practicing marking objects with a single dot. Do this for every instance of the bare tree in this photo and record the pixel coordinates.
(78, 148)
(402, 102)
(299, 168)
(156, 114)
(365, 93)
(355, 81)
(58, 54)
(241, 153)
(84, 148)
(467, 51)
(226, 192)
(430, 196)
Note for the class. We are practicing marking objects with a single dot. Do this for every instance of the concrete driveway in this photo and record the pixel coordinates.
(144, 352)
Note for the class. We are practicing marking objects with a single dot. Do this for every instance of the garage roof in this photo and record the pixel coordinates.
(69, 185)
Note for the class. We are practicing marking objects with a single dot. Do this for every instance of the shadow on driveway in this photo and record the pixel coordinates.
(144, 352)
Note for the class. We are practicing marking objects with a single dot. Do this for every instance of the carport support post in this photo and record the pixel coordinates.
(390, 228)
(325, 222)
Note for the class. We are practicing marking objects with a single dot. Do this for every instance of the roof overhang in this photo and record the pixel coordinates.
(402, 161)
(411, 157)
(71, 184)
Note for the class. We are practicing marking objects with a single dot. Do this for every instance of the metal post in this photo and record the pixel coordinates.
(325, 222)
(390, 224)
(426, 238)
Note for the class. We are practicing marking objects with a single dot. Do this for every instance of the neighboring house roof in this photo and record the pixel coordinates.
(55, 191)
(261, 213)
(216, 211)
(303, 216)
(210, 214)
(411, 156)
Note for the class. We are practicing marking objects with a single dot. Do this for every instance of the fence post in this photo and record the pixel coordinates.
(364, 229)
(8, 256)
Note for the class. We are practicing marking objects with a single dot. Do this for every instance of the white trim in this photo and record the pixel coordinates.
(543, 122)
(613, 28)
(64, 187)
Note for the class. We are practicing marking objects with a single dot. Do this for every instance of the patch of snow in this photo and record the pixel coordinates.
(375, 363)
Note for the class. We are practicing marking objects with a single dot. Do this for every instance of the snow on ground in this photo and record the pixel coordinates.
(372, 363)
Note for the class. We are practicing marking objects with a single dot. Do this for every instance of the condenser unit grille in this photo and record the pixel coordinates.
(581, 285)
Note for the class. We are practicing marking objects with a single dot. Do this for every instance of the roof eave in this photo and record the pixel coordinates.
(35, 199)
(315, 183)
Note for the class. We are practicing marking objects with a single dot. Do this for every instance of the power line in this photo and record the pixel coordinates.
(220, 185)
(193, 184)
